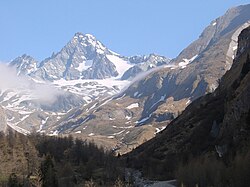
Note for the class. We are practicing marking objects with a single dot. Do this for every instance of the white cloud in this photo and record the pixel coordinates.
(43, 93)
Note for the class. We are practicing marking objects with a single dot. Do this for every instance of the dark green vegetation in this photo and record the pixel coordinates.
(38, 160)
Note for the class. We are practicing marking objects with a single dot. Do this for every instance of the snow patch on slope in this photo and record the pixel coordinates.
(18, 129)
(185, 61)
(163, 97)
(134, 105)
(84, 65)
(121, 65)
(159, 129)
(143, 120)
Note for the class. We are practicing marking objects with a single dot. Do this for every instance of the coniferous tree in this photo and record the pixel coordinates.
(48, 173)
(13, 181)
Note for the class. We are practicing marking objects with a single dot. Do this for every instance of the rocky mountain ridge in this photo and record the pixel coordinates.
(216, 124)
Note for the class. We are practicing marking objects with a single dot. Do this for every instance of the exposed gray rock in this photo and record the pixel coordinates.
(84, 57)
(101, 68)
(63, 102)
(131, 72)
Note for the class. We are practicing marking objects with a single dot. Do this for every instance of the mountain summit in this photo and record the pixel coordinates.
(84, 57)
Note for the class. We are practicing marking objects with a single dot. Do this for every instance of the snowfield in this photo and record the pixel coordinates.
(121, 65)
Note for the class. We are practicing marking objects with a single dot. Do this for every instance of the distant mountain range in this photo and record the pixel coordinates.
(119, 102)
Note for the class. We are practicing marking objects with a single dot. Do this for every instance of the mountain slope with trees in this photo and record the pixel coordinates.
(38, 160)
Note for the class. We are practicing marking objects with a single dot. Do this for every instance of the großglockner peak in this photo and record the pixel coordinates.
(83, 57)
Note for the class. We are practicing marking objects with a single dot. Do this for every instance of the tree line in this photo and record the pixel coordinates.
(39, 160)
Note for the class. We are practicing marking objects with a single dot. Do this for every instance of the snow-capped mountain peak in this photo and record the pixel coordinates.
(84, 57)
(88, 40)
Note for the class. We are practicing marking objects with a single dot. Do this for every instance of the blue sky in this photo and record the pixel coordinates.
(128, 27)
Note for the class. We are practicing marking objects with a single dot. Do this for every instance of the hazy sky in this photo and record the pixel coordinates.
(128, 27)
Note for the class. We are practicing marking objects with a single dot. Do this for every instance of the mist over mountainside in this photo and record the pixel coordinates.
(91, 92)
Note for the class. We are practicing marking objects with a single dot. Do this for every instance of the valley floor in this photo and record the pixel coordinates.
(139, 181)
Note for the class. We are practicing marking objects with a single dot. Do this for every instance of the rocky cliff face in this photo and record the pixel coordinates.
(227, 23)
(217, 123)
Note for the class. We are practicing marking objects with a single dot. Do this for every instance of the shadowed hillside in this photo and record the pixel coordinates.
(212, 134)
